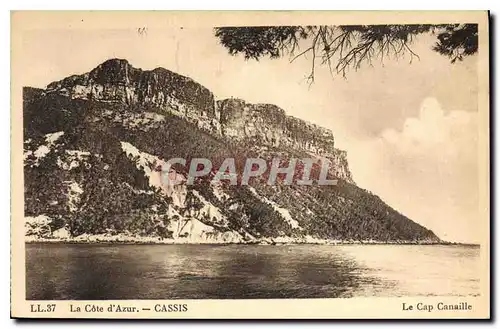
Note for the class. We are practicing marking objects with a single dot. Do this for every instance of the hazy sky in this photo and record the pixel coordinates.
(410, 130)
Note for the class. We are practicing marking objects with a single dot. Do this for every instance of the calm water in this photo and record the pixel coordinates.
(72, 271)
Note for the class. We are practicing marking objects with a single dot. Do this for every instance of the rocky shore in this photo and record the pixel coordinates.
(131, 239)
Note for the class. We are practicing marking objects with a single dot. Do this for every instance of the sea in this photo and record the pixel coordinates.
(59, 271)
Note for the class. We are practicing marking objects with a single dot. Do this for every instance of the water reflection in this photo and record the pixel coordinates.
(71, 271)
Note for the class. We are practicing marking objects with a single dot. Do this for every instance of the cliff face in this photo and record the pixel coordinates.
(267, 124)
(116, 81)
(93, 144)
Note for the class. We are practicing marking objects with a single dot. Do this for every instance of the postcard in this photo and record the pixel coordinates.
(250, 165)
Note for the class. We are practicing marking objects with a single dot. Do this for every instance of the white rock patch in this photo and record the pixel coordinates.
(72, 159)
(74, 192)
(38, 225)
(53, 137)
(43, 149)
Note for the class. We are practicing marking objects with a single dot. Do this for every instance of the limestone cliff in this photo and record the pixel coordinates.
(267, 124)
(116, 81)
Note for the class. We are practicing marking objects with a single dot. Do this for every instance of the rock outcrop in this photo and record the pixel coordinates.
(93, 144)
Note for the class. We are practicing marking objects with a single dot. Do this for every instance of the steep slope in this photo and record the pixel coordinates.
(94, 143)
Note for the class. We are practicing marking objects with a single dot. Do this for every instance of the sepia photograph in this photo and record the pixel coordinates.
(165, 159)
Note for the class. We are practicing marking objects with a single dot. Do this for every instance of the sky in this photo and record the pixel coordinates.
(409, 129)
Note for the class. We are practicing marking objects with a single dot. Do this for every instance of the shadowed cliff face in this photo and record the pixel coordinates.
(116, 81)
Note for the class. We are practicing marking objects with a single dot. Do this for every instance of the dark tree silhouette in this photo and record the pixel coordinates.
(346, 47)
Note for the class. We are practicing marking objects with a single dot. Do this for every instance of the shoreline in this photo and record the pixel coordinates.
(267, 241)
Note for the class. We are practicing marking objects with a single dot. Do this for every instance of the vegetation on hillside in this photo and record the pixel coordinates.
(113, 194)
